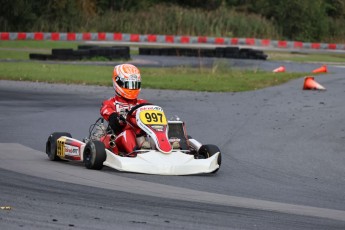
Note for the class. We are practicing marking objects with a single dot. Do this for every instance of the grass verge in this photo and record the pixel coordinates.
(306, 57)
(32, 44)
(182, 78)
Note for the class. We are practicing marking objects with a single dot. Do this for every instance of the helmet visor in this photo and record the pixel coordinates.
(132, 84)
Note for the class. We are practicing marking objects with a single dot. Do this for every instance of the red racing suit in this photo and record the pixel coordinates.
(126, 137)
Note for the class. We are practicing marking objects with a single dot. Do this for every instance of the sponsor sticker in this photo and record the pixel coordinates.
(158, 127)
(71, 150)
(174, 139)
(150, 108)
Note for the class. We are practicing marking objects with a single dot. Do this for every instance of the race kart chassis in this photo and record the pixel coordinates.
(182, 155)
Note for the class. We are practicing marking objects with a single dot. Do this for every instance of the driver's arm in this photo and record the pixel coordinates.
(107, 108)
(109, 113)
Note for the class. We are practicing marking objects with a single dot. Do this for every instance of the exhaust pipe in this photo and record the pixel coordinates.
(112, 144)
(112, 137)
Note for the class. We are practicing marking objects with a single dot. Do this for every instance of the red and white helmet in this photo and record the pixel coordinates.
(127, 81)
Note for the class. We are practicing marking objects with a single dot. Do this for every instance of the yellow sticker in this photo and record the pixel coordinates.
(61, 147)
(153, 117)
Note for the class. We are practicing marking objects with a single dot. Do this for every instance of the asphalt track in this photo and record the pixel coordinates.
(283, 160)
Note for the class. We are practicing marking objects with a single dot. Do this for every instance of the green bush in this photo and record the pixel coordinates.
(307, 20)
(180, 21)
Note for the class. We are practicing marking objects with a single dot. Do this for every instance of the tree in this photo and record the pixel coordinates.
(16, 15)
(335, 8)
(298, 20)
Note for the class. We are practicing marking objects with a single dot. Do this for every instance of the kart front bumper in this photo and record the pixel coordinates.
(154, 162)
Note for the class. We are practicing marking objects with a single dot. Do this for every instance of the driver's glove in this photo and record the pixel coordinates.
(115, 123)
(121, 118)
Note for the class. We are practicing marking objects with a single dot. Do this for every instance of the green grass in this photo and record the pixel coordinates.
(19, 54)
(223, 80)
(306, 57)
(213, 80)
(39, 44)
(55, 73)
(20, 50)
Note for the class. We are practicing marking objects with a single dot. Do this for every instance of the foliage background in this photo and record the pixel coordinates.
(307, 20)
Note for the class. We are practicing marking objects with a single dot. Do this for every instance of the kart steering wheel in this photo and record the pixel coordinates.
(135, 108)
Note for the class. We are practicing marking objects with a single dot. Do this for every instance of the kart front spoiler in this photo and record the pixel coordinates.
(154, 162)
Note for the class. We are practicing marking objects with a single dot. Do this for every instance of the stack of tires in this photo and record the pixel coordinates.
(85, 52)
(220, 52)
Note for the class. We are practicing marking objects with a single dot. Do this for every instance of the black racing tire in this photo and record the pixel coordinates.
(51, 145)
(207, 151)
(94, 155)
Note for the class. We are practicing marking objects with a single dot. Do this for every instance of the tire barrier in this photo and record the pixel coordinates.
(85, 52)
(171, 39)
(220, 52)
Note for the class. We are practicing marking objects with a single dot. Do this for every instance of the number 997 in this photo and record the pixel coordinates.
(154, 117)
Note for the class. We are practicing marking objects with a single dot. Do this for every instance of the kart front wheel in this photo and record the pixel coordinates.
(94, 155)
(207, 151)
(51, 145)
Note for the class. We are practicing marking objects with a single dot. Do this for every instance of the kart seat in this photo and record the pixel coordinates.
(177, 131)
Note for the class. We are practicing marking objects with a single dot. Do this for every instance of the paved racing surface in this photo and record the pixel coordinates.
(282, 168)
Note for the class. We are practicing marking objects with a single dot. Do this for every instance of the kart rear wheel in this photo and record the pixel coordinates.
(51, 143)
(207, 151)
(94, 155)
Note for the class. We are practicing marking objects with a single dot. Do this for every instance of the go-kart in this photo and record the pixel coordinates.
(170, 151)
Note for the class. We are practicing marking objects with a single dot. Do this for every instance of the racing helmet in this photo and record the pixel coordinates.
(127, 81)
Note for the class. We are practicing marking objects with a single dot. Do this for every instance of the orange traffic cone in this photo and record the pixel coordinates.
(310, 83)
(279, 69)
(322, 69)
